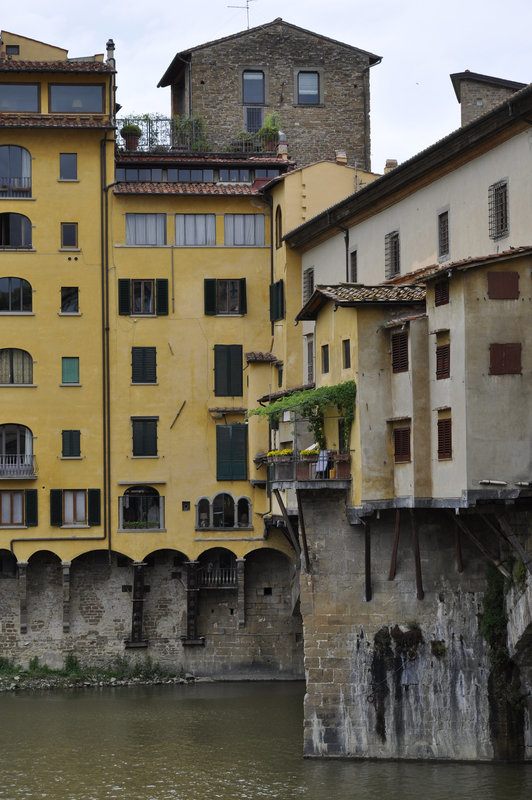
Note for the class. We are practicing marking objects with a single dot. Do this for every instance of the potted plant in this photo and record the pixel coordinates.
(131, 134)
(269, 133)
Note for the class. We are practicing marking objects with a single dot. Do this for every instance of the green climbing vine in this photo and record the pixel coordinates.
(311, 405)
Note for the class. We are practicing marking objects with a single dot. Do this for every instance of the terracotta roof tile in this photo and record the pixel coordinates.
(12, 65)
(267, 398)
(397, 321)
(12, 120)
(353, 294)
(140, 187)
(435, 270)
(256, 356)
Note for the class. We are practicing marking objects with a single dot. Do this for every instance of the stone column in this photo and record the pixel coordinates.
(137, 638)
(240, 602)
(23, 595)
(65, 565)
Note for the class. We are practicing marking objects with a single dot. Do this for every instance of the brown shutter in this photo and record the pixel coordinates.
(401, 440)
(505, 359)
(441, 292)
(503, 285)
(445, 445)
(443, 361)
(400, 352)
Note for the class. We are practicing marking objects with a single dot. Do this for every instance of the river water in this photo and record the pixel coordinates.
(229, 741)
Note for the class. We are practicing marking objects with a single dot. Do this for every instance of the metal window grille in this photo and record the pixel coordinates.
(308, 283)
(392, 264)
(254, 116)
(499, 218)
(443, 234)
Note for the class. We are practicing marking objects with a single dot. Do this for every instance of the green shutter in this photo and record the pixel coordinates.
(276, 300)
(162, 296)
(70, 369)
(71, 444)
(221, 374)
(235, 370)
(228, 370)
(124, 296)
(30, 511)
(56, 507)
(144, 437)
(231, 452)
(93, 507)
(143, 364)
(209, 292)
(243, 300)
(223, 452)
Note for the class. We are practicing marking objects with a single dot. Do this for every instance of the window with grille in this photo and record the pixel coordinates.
(401, 442)
(392, 263)
(308, 283)
(400, 352)
(499, 218)
(445, 443)
(505, 359)
(443, 361)
(441, 292)
(443, 234)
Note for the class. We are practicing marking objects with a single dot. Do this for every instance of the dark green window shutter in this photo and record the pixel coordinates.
(30, 511)
(243, 300)
(71, 444)
(162, 296)
(144, 437)
(56, 507)
(93, 507)
(228, 370)
(276, 301)
(231, 452)
(143, 364)
(209, 285)
(124, 296)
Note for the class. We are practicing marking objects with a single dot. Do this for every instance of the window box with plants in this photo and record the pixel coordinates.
(280, 456)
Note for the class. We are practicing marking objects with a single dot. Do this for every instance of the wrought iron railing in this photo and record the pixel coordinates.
(18, 466)
(216, 577)
(326, 466)
(15, 187)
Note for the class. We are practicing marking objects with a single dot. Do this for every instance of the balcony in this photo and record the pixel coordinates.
(21, 467)
(15, 187)
(327, 471)
(217, 578)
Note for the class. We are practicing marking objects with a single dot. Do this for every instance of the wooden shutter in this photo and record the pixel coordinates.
(445, 445)
(401, 439)
(56, 507)
(144, 437)
(162, 296)
(443, 361)
(503, 285)
(243, 299)
(209, 296)
(400, 352)
(505, 359)
(276, 301)
(228, 370)
(71, 444)
(93, 507)
(143, 364)
(31, 509)
(441, 292)
(231, 452)
(124, 296)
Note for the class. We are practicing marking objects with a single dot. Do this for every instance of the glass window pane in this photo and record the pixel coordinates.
(68, 166)
(308, 87)
(19, 97)
(69, 234)
(80, 99)
(253, 87)
(69, 299)
(68, 507)
(17, 508)
(221, 297)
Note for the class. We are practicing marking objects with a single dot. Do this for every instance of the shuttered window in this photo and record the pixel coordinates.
(441, 292)
(75, 507)
(231, 452)
(505, 359)
(308, 283)
(18, 507)
(445, 443)
(70, 370)
(503, 285)
(71, 446)
(225, 296)
(136, 297)
(392, 262)
(443, 361)
(401, 441)
(143, 365)
(400, 352)
(144, 436)
(277, 310)
(228, 370)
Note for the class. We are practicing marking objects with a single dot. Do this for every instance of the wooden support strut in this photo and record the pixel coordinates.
(393, 563)
(65, 566)
(302, 530)
(495, 561)
(240, 585)
(514, 541)
(417, 557)
(23, 595)
(293, 538)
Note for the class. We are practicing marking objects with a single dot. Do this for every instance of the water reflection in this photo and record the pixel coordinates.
(205, 742)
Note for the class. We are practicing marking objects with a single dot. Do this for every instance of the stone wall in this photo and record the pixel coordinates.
(398, 676)
(477, 98)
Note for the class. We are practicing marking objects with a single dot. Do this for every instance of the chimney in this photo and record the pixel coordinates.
(340, 156)
(110, 52)
(391, 163)
(282, 147)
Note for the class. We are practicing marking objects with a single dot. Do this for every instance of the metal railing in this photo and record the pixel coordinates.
(333, 466)
(216, 577)
(18, 466)
(15, 187)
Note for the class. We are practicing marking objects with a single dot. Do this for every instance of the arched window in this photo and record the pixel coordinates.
(278, 226)
(16, 366)
(243, 512)
(223, 511)
(15, 171)
(142, 507)
(15, 295)
(15, 231)
(204, 513)
(16, 451)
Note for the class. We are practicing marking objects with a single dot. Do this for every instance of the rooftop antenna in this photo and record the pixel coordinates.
(246, 7)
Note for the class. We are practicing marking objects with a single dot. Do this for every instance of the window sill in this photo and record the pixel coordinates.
(69, 249)
(13, 527)
(308, 105)
(223, 530)
(69, 314)
(228, 314)
(144, 383)
(68, 180)
(81, 525)
(71, 458)
(154, 456)
(17, 313)
(18, 249)
(141, 530)
(18, 385)
(70, 384)
(138, 315)
(19, 197)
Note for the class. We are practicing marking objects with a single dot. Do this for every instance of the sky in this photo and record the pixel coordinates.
(421, 43)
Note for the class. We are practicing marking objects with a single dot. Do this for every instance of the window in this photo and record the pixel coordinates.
(12, 50)
(401, 443)
(308, 283)
(19, 97)
(400, 352)
(72, 507)
(310, 358)
(18, 507)
(143, 297)
(445, 445)
(325, 358)
(15, 171)
(16, 367)
(192, 230)
(143, 365)
(443, 361)
(443, 234)
(235, 175)
(69, 234)
(503, 285)
(308, 88)
(499, 215)
(146, 229)
(279, 374)
(228, 370)
(144, 436)
(69, 300)
(68, 166)
(277, 309)
(353, 266)
(81, 99)
(278, 227)
(15, 231)
(505, 359)
(15, 295)
(71, 445)
(244, 230)
(70, 370)
(392, 264)
(16, 452)
(231, 452)
(223, 511)
(441, 292)
(346, 353)
(252, 86)
(225, 296)
(141, 507)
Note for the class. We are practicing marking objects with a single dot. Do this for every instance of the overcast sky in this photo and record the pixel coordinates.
(421, 42)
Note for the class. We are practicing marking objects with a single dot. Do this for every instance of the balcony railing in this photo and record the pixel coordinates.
(329, 467)
(217, 577)
(164, 134)
(18, 466)
(15, 187)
